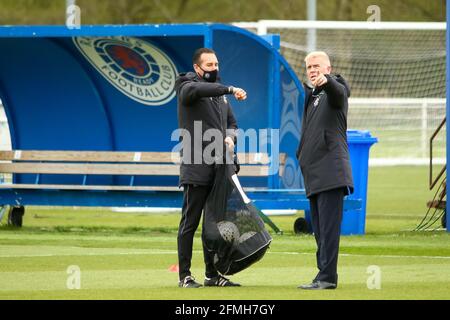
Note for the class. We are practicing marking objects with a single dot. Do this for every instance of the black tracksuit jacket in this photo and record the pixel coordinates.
(203, 101)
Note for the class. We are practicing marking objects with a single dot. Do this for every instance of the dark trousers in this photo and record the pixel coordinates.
(326, 217)
(194, 198)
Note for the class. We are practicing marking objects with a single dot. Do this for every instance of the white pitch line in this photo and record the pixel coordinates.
(199, 251)
(85, 254)
(367, 255)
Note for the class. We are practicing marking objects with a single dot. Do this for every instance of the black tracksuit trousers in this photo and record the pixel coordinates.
(194, 199)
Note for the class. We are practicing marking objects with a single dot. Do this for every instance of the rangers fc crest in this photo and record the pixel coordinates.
(134, 66)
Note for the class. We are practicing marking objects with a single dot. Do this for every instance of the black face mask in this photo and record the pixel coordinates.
(210, 76)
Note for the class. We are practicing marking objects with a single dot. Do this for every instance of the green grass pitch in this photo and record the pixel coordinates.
(128, 255)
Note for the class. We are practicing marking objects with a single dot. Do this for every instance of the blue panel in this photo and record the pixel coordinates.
(160, 30)
(50, 101)
(248, 64)
(292, 100)
(270, 199)
(48, 96)
(245, 64)
(91, 198)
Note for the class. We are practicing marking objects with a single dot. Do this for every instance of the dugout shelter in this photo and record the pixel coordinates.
(111, 88)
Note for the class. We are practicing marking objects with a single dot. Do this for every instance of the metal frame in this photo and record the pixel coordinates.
(264, 199)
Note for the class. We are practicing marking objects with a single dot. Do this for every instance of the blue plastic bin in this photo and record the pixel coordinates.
(359, 143)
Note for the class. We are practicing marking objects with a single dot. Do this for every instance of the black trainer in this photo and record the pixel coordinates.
(220, 281)
(189, 282)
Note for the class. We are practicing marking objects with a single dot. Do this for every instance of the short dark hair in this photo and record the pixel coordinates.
(198, 53)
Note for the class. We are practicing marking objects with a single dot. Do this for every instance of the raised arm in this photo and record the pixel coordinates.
(193, 90)
(337, 92)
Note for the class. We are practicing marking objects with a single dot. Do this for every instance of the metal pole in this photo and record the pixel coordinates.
(73, 19)
(423, 138)
(448, 107)
(68, 4)
(311, 39)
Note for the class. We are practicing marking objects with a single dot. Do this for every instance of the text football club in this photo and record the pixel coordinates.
(134, 66)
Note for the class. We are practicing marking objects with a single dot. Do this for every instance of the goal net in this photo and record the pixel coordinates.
(397, 73)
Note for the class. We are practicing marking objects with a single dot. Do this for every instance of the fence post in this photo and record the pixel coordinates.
(423, 140)
(262, 28)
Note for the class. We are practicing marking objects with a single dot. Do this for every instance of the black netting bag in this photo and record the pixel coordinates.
(234, 230)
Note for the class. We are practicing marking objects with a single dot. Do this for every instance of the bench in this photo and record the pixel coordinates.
(85, 164)
(88, 163)
(84, 167)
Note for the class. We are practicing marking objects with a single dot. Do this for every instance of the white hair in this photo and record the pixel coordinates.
(321, 54)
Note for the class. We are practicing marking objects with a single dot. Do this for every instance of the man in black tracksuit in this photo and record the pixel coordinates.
(202, 105)
(325, 163)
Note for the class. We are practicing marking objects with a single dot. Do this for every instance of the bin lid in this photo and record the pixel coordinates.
(360, 136)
